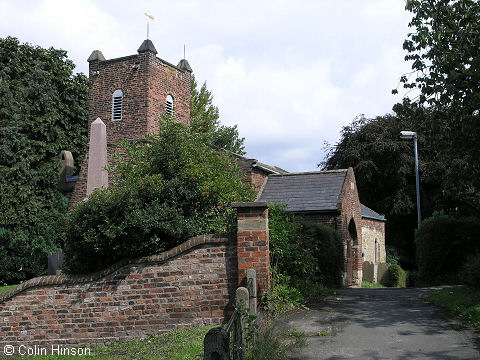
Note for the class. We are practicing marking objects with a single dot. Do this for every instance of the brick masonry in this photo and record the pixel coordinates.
(349, 225)
(190, 285)
(145, 81)
(253, 244)
(348, 221)
(252, 175)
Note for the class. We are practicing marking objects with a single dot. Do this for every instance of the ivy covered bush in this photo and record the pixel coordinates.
(443, 244)
(167, 189)
(43, 110)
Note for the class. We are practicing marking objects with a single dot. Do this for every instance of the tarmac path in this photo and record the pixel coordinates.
(380, 324)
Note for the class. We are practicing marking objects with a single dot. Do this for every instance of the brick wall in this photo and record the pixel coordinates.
(165, 79)
(253, 244)
(145, 81)
(349, 224)
(190, 285)
(252, 175)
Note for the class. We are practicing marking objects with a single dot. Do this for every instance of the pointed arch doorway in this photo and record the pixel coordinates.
(351, 258)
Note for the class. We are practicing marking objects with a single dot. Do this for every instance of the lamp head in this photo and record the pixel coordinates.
(408, 134)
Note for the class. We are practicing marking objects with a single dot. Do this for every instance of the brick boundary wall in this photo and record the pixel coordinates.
(253, 244)
(190, 285)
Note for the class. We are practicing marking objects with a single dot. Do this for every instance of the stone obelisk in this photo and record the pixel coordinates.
(97, 157)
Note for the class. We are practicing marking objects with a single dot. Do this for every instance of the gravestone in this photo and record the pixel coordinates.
(216, 345)
(55, 262)
(66, 172)
(97, 176)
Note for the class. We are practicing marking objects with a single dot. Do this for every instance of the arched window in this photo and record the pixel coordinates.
(117, 105)
(376, 251)
(169, 106)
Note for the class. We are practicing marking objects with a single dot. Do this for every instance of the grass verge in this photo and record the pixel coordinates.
(370, 285)
(462, 301)
(7, 288)
(184, 344)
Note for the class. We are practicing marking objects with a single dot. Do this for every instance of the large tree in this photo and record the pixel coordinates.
(384, 172)
(167, 189)
(204, 119)
(43, 110)
(444, 49)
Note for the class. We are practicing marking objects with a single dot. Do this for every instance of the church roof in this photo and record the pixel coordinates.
(311, 191)
(371, 214)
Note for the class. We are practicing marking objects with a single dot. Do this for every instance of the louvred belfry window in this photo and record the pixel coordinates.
(169, 106)
(117, 105)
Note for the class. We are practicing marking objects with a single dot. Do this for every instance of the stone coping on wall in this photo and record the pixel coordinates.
(85, 278)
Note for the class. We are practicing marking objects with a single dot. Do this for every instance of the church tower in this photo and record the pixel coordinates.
(130, 94)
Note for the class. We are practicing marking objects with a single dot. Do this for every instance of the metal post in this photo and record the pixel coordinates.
(417, 180)
(410, 135)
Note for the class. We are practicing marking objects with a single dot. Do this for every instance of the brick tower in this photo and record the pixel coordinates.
(129, 94)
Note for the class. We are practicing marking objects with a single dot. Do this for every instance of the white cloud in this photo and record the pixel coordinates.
(289, 73)
(78, 27)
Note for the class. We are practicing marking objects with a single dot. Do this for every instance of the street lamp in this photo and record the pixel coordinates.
(413, 135)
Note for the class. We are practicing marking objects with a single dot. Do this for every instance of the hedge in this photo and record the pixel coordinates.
(443, 244)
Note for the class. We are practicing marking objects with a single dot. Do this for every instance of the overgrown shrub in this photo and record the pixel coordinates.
(326, 246)
(24, 253)
(22, 257)
(470, 273)
(397, 277)
(306, 252)
(443, 244)
(282, 296)
(392, 255)
(172, 187)
(43, 110)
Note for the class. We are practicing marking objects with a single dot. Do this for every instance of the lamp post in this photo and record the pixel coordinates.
(413, 135)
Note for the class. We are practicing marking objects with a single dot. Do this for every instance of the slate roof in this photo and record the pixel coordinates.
(371, 214)
(312, 191)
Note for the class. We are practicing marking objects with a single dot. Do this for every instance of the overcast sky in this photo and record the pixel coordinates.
(289, 73)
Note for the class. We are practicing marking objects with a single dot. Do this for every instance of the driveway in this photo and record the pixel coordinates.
(380, 324)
